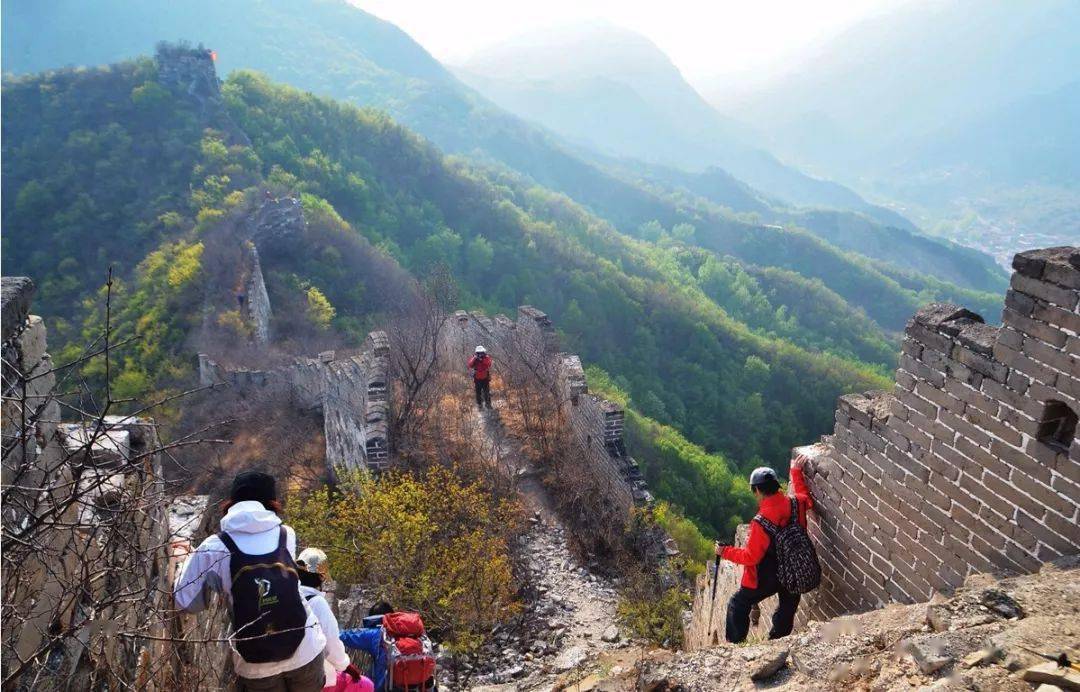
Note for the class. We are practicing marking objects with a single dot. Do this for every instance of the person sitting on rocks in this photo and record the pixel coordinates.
(313, 569)
(759, 580)
(369, 639)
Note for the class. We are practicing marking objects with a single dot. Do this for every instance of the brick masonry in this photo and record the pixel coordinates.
(72, 472)
(258, 300)
(953, 471)
(351, 393)
(595, 422)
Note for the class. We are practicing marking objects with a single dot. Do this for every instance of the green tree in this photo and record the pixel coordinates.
(478, 256)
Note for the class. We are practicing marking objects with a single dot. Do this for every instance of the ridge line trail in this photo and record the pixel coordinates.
(573, 606)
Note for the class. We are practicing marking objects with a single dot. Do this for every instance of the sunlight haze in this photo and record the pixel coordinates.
(728, 39)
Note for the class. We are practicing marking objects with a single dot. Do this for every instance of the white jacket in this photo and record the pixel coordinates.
(336, 658)
(255, 531)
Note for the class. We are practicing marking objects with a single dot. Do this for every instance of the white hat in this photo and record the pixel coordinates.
(481, 349)
(314, 560)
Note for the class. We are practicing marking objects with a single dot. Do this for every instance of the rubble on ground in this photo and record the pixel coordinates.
(565, 629)
(992, 634)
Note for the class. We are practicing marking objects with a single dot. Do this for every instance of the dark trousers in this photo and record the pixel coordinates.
(306, 678)
(483, 392)
(740, 605)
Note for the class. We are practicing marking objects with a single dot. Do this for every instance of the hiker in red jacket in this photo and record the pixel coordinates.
(759, 580)
(480, 364)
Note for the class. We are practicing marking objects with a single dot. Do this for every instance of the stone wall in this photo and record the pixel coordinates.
(595, 423)
(258, 300)
(189, 71)
(970, 464)
(202, 661)
(351, 393)
(30, 413)
(95, 563)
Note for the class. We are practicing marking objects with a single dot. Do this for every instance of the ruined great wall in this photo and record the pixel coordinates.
(970, 464)
(595, 423)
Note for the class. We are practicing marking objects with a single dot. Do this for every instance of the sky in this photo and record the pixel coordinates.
(706, 39)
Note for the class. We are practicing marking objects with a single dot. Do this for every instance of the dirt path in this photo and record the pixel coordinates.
(571, 622)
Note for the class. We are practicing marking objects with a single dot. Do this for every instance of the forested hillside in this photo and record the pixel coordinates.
(334, 49)
(697, 341)
(632, 309)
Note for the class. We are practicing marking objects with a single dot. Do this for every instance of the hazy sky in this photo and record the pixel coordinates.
(703, 37)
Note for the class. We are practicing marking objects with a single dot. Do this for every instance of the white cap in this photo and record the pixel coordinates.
(481, 349)
(314, 560)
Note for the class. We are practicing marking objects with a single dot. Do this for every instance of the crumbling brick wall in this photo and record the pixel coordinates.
(188, 70)
(30, 412)
(595, 423)
(84, 513)
(970, 464)
(351, 393)
(258, 300)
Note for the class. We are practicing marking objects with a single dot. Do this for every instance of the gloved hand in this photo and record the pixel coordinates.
(719, 547)
(353, 671)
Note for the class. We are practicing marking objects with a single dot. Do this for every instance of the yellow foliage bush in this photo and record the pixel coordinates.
(185, 265)
(319, 309)
(428, 542)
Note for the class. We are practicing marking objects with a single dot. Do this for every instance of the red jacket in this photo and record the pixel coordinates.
(777, 509)
(481, 366)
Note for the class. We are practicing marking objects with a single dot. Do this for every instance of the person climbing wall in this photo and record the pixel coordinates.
(480, 365)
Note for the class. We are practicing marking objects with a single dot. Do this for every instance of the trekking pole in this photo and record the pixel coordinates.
(712, 596)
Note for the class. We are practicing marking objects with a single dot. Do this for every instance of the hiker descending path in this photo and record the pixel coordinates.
(572, 619)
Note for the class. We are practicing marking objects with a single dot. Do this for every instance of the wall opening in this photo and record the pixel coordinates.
(1057, 427)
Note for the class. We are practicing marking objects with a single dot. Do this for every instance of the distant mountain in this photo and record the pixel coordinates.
(614, 91)
(1032, 138)
(961, 112)
(847, 230)
(921, 68)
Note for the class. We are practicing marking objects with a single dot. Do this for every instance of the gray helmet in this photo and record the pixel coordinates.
(762, 474)
(481, 349)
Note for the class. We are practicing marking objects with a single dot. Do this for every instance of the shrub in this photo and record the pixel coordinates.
(652, 604)
(428, 542)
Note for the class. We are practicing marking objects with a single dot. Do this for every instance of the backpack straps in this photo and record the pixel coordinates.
(794, 509)
(234, 550)
(229, 543)
(770, 528)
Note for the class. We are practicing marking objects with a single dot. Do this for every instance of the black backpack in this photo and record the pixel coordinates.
(797, 567)
(268, 615)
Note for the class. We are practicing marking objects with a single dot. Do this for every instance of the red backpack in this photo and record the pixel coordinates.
(410, 659)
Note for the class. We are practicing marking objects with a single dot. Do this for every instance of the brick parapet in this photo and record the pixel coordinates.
(949, 473)
(101, 481)
(595, 423)
(952, 472)
(352, 393)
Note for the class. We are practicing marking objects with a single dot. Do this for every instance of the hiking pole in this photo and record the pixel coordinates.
(1061, 659)
(712, 596)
